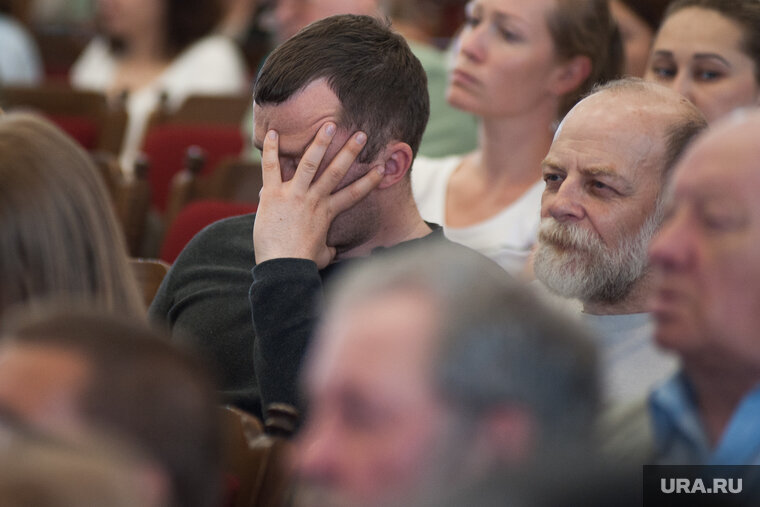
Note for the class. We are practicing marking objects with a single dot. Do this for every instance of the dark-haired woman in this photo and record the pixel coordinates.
(155, 47)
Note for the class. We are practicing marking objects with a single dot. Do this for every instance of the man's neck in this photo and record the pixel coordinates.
(720, 387)
(400, 223)
(636, 301)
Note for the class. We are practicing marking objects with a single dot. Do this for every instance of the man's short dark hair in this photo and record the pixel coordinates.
(142, 390)
(381, 85)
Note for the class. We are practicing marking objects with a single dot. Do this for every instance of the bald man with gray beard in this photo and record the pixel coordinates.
(605, 173)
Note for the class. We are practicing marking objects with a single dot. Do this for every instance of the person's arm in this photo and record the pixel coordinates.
(290, 245)
(285, 297)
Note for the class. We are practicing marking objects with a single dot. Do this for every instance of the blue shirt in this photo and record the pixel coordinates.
(680, 438)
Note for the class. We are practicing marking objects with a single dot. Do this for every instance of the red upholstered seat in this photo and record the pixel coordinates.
(194, 217)
(166, 145)
(85, 131)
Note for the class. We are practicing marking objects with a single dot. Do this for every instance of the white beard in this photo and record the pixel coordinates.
(575, 263)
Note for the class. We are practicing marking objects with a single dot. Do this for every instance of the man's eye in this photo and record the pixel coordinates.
(718, 221)
(553, 181)
(602, 188)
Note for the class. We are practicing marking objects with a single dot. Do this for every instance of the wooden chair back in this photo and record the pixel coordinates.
(253, 461)
(195, 217)
(211, 122)
(149, 274)
(204, 109)
(130, 197)
(234, 179)
(85, 115)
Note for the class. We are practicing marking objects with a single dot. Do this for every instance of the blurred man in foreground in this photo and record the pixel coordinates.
(431, 368)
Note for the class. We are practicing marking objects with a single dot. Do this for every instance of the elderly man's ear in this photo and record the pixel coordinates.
(397, 160)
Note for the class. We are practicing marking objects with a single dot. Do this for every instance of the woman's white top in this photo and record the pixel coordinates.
(211, 66)
(506, 237)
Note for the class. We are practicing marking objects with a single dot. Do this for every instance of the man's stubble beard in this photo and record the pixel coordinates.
(573, 262)
(355, 226)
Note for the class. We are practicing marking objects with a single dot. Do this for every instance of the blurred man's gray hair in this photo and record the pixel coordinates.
(499, 346)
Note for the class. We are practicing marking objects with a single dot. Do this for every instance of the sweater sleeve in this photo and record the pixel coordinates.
(285, 297)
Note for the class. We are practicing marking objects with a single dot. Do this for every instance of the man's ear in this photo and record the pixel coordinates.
(570, 75)
(397, 160)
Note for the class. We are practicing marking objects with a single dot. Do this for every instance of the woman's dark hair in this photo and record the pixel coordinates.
(650, 11)
(745, 13)
(59, 236)
(586, 27)
(185, 22)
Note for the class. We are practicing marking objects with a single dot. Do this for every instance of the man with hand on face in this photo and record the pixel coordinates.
(432, 368)
(339, 110)
(604, 174)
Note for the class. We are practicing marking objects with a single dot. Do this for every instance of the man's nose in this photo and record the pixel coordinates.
(565, 204)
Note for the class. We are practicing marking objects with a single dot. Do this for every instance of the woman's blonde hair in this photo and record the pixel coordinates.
(59, 237)
(586, 27)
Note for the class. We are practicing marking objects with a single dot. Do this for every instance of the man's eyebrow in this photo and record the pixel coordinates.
(608, 174)
(548, 163)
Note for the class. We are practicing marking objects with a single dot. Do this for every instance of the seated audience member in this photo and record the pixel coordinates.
(707, 258)
(709, 51)
(155, 47)
(58, 234)
(602, 203)
(20, 62)
(38, 471)
(638, 21)
(431, 368)
(71, 373)
(343, 81)
(520, 66)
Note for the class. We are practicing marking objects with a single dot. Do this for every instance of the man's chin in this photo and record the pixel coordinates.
(561, 273)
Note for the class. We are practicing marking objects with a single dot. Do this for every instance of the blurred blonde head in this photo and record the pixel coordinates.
(36, 471)
(59, 236)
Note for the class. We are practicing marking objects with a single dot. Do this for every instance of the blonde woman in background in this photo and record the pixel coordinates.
(520, 66)
(58, 234)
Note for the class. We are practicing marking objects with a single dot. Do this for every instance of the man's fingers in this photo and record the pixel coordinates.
(270, 160)
(312, 157)
(346, 197)
(340, 164)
